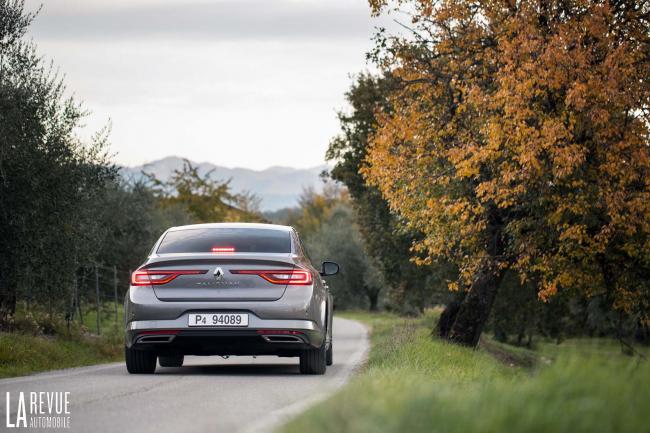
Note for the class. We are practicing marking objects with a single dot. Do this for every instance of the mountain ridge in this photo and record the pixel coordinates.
(277, 186)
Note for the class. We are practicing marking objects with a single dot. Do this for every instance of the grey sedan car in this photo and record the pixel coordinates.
(228, 289)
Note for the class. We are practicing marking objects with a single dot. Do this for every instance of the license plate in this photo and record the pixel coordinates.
(218, 319)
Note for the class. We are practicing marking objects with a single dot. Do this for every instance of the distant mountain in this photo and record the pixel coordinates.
(278, 187)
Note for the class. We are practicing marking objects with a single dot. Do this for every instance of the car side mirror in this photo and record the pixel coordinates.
(329, 268)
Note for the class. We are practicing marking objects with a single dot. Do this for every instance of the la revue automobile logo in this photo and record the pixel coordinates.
(38, 410)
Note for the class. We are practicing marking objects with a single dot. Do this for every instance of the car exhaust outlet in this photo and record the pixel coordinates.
(155, 338)
(282, 339)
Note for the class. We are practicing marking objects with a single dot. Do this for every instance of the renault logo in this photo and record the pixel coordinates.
(218, 274)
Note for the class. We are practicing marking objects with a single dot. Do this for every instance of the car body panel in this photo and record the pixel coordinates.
(229, 287)
(305, 309)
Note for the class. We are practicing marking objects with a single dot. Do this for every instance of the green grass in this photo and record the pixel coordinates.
(547, 350)
(416, 383)
(22, 354)
(107, 323)
(40, 343)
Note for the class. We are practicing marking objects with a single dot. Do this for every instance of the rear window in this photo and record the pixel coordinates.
(240, 240)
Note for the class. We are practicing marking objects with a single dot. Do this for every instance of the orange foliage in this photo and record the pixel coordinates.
(534, 114)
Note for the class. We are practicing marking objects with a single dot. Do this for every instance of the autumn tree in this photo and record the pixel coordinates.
(518, 140)
(314, 208)
(204, 198)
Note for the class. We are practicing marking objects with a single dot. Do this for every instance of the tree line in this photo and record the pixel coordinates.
(72, 227)
(504, 152)
(67, 216)
(498, 164)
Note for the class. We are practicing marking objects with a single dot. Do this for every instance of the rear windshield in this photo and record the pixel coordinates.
(224, 240)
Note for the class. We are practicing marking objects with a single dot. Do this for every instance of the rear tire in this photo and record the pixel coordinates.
(140, 361)
(329, 356)
(313, 361)
(171, 360)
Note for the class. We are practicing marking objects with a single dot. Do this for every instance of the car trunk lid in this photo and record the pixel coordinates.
(218, 282)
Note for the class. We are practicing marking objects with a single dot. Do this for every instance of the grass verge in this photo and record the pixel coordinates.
(41, 343)
(416, 383)
(22, 354)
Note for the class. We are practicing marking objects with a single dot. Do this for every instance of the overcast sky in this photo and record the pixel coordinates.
(239, 83)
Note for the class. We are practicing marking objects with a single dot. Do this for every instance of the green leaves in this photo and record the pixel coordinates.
(204, 198)
(49, 181)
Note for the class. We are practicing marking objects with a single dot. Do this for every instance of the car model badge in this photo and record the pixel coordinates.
(218, 274)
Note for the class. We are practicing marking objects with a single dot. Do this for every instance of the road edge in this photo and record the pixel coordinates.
(278, 417)
(61, 372)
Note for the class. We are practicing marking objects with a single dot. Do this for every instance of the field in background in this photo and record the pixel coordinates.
(40, 343)
(415, 383)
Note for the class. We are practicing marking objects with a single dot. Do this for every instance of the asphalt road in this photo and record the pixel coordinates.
(207, 394)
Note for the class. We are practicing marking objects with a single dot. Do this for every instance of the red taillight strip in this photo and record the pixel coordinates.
(150, 277)
(278, 332)
(161, 332)
(295, 277)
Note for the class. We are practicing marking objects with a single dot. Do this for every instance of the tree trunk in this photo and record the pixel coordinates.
(448, 315)
(373, 299)
(475, 309)
(7, 303)
(82, 286)
(7, 299)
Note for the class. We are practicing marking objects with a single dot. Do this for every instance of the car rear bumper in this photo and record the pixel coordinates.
(276, 333)
(217, 341)
(162, 326)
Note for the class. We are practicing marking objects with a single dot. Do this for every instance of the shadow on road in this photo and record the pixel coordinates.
(233, 370)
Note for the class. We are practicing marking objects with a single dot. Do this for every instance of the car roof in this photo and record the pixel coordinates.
(233, 226)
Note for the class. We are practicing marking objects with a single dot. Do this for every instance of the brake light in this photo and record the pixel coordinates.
(150, 277)
(223, 249)
(295, 277)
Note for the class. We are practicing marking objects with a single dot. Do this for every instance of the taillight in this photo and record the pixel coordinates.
(151, 277)
(223, 249)
(296, 277)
